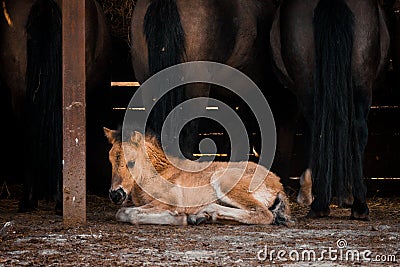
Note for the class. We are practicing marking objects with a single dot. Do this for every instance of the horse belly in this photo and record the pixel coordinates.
(196, 191)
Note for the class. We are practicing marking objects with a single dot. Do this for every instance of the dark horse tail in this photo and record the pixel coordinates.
(335, 156)
(166, 47)
(43, 96)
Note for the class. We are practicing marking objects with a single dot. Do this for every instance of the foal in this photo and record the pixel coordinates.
(164, 194)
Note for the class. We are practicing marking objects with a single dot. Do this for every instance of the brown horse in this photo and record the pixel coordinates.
(168, 32)
(210, 192)
(330, 53)
(30, 62)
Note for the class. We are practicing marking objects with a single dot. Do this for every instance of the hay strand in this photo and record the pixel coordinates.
(119, 15)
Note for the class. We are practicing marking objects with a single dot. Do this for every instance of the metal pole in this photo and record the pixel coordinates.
(74, 117)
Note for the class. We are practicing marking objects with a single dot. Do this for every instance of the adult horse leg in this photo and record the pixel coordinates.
(8, 165)
(189, 140)
(98, 89)
(362, 100)
(369, 63)
(286, 125)
(306, 194)
(294, 73)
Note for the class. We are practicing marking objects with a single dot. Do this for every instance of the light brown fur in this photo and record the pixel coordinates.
(219, 199)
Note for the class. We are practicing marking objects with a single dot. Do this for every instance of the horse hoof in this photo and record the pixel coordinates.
(191, 220)
(58, 211)
(317, 214)
(201, 220)
(349, 201)
(27, 205)
(360, 211)
(360, 217)
(194, 220)
(304, 200)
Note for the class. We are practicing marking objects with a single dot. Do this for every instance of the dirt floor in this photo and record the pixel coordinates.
(40, 239)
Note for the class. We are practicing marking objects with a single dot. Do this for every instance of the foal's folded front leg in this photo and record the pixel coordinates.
(150, 215)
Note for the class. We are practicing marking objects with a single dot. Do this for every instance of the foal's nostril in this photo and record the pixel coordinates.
(117, 196)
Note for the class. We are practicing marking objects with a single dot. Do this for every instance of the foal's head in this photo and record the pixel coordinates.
(123, 156)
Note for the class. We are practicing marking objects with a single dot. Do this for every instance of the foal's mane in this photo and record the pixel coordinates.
(156, 153)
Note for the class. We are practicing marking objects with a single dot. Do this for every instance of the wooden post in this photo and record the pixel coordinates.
(74, 117)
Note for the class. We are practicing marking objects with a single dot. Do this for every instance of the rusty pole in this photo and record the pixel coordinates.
(74, 117)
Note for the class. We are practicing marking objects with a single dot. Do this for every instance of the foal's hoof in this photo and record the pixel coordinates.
(194, 220)
(191, 219)
(317, 214)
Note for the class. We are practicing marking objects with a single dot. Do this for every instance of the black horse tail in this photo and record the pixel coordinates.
(43, 96)
(335, 155)
(166, 47)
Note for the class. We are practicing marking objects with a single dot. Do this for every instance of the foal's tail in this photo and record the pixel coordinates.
(166, 47)
(43, 76)
(335, 155)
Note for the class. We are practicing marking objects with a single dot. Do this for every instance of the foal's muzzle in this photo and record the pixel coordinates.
(117, 196)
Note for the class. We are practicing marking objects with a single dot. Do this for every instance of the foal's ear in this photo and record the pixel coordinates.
(136, 137)
(110, 134)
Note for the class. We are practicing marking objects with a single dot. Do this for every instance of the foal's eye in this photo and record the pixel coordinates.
(130, 164)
